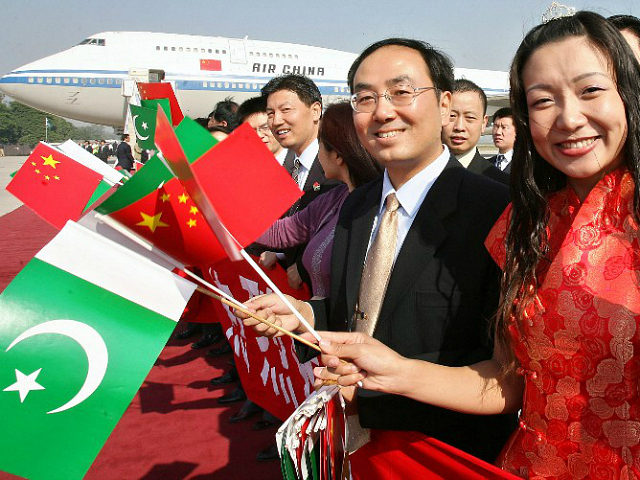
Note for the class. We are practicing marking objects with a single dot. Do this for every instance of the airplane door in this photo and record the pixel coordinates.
(237, 51)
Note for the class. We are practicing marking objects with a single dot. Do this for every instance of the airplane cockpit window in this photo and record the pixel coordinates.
(93, 41)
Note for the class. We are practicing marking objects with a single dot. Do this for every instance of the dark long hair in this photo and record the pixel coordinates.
(338, 134)
(533, 179)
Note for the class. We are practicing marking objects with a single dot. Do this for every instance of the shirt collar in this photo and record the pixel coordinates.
(508, 155)
(282, 156)
(309, 154)
(412, 193)
(466, 158)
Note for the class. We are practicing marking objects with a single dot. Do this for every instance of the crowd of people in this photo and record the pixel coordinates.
(492, 303)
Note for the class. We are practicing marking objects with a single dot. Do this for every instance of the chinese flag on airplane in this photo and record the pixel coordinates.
(210, 64)
(238, 185)
(156, 90)
(53, 185)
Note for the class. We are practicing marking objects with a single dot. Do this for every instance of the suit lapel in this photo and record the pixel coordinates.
(288, 161)
(428, 231)
(360, 232)
(316, 174)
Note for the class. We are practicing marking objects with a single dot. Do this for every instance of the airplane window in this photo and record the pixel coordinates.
(85, 41)
(109, 81)
(217, 51)
(202, 50)
(204, 85)
(224, 51)
(75, 80)
(188, 49)
(219, 84)
(209, 50)
(277, 55)
(92, 81)
(173, 49)
(66, 80)
(233, 85)
(101, 42)
(179, 49)
(157, 47)
(226, 84)
(241, 85)
(166, 49)
(40, 79)
(48, 79)
(118, 81)
(296, 56)
(31, 79)
(101, 81)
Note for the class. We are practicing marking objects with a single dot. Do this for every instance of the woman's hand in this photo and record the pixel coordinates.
(357, 359)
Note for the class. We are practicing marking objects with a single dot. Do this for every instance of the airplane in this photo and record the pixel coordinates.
(94, 80)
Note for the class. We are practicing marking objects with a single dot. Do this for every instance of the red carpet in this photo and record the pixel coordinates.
(174, 429)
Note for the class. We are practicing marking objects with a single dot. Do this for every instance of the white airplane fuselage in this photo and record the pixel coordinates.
(90, 81)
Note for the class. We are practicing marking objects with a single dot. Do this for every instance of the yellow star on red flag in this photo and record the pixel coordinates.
(183, 198)
(151, 221)
(49, 161)
(192, 222)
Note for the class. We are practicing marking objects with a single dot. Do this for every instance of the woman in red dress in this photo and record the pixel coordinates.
(567, 348)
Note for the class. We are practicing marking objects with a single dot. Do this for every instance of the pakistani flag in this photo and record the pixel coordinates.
(144, 124)
(80, 328)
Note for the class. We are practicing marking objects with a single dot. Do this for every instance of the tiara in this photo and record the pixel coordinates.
(557, 10)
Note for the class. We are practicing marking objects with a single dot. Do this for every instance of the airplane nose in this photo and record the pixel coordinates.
(9, 86)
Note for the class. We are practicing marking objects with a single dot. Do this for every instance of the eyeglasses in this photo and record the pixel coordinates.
(264, 129)
(366, 101)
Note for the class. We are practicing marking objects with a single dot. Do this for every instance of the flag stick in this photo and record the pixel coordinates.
(261, 320)
(134, 237)
(280, 295)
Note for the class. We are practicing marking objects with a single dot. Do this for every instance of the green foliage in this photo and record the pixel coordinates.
(23, 125)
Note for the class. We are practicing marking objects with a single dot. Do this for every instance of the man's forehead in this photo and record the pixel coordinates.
(466, 100)
(390, 65)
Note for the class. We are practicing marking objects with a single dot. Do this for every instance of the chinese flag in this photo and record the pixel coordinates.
(210, 64)
(239, 187)
(154, 91)
(171, 221)
(54, 186)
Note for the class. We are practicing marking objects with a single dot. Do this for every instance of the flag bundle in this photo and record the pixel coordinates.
(312, 441)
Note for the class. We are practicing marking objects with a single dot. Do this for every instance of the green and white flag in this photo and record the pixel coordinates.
(80, 328)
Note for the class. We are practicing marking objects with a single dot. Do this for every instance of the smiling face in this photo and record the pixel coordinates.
(466, 122)
(293, 123)
(259, 122)
(402, 139)
(577, 118)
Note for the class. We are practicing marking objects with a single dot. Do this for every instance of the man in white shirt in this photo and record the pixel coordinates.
(504, 137)
(443, 287)
(294, 108)
(468, 120)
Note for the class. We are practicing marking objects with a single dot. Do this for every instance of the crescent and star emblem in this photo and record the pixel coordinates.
(135, 119)
(93, 346)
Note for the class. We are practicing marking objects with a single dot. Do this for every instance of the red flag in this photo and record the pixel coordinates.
(238, 185)
(153, 91)
(269, 369)
(247, 187)
(210, 64)
(54, 186)
(400, 455)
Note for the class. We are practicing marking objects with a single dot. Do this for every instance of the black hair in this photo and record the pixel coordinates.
(251, 107)
(626, 22)
(461, 85)
(306, 90)
(438, 64)
(225, 111)
(502, 113)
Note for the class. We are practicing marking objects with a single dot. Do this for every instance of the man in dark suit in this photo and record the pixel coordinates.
(294, 108)
(468, 120)
(443, 287)
(123, 154)
(504, 138)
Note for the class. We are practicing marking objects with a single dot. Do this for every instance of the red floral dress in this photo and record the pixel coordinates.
(578, 344)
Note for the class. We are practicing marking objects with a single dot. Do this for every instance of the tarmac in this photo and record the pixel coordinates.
(8, 165)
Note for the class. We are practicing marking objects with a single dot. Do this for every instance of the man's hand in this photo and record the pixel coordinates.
(268, 260)
(295, 281)
(272, 309)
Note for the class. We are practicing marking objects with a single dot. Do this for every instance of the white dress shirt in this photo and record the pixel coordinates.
(306, 161)
(410, 196)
